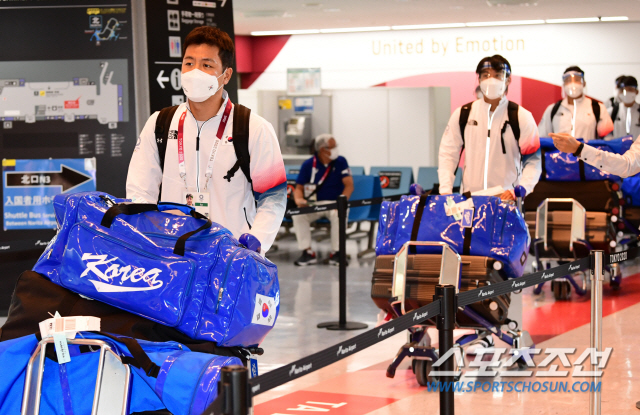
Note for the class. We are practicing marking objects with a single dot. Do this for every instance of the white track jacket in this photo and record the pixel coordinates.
(485, 163)
(585, 120)
(232, 204)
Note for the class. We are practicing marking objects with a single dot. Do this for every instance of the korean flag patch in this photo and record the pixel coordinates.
(264, 312)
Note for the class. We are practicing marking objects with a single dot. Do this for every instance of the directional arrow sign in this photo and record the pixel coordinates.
(67, 178)
(162, 79)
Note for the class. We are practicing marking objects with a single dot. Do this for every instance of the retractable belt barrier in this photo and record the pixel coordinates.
(346, 348)
(332, 206)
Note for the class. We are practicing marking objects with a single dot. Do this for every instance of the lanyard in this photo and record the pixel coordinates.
(214, 148)
(315, 170)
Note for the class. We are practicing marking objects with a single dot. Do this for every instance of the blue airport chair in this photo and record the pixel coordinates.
(292, 169)
(428, 176)
(393, 180)
(365, 187)
(357, 170)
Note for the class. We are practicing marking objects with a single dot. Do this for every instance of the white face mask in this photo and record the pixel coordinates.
(333, 153)
(627, 97)
(492, 88)
(573, 90)
(198, 86)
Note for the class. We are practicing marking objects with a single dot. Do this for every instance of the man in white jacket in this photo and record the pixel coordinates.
(200, 155)
(576, 114)
(500, 138)
(625, 112)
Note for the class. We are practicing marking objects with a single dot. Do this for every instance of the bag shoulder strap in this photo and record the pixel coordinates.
(554, 111)
(465, 110)
(163, 124)
(595, 106)
(417, 220)
(614, 112)
(241, 117)
(512, 111)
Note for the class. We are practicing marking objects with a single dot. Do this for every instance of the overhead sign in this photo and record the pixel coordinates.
(29, 187)
(303, 81)
(168, 23)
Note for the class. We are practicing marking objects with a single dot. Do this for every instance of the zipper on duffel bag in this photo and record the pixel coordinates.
(142, 253)
(223, 283)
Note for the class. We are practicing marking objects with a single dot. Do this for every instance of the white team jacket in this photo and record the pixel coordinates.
(484, 157)
(585, 120)
(620, 123)
(625, 165)
(232, 204)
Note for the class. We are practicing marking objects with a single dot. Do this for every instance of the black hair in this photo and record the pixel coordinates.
(212, 36)
(628, 81)
(497, 62)
(574, 69)
(618, 79)
(189, 195)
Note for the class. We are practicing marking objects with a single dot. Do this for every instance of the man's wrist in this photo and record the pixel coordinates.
(578, 150)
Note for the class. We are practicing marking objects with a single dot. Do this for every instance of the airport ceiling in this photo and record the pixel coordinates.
(269, 15)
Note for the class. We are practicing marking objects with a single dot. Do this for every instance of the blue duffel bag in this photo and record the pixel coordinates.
(496, 230)
(181, 271)
(631, 189)
(182, 381)
(564, 167)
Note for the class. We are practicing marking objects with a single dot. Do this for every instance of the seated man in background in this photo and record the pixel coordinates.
(625, 112)
(499, 137)
(322, 178)
(576, 114)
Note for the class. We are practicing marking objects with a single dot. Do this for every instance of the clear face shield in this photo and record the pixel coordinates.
(573, 84)
(493, 82)
(627, 94)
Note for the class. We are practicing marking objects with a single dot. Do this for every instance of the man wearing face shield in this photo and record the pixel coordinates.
(576, 114)
(322, 178)
(197, 155)
(614, 99)
(499, 137)
(626, 112)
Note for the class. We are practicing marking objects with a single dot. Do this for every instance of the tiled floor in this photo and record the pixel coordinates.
(358, 385)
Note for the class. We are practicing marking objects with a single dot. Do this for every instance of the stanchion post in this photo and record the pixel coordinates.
(342, 323)
(445, 324)
(234, 397)
(597, 277)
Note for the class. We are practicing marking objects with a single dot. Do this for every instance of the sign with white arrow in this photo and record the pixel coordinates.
(162, 79)
(29, 187)
(168, 24)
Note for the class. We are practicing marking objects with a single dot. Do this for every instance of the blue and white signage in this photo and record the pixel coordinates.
(30, 185)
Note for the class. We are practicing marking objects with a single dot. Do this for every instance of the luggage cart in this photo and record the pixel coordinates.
(111, 393)
(568, 232)
(412, 288)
